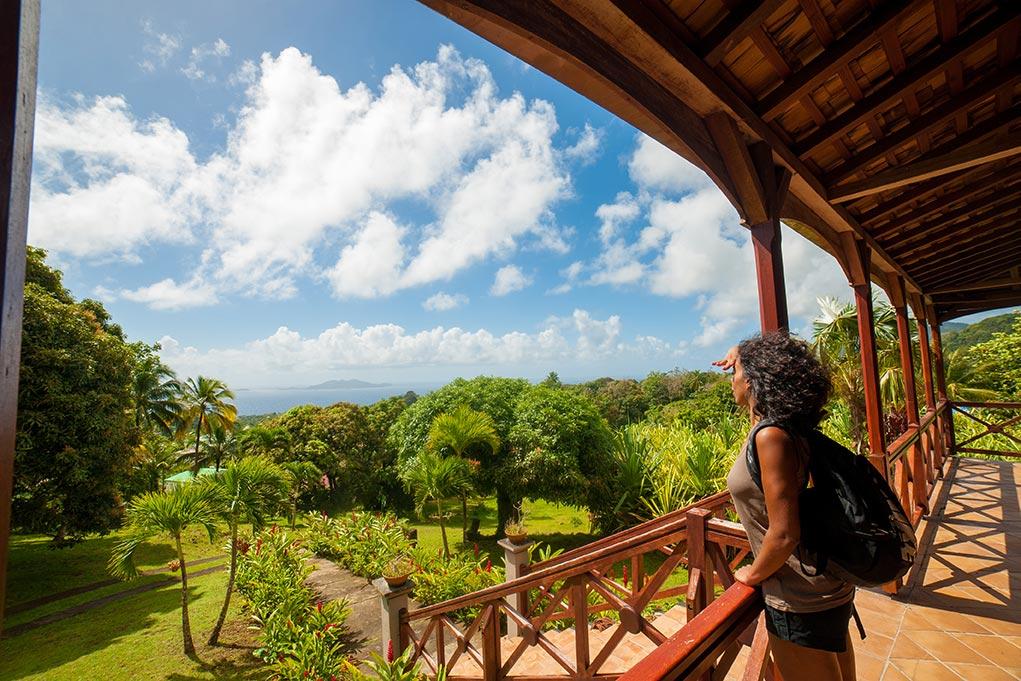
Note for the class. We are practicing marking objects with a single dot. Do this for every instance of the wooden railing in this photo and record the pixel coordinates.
(588, 581)
(991, 427)
(915, 460)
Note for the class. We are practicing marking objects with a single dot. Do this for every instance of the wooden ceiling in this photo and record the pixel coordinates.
(899, 120)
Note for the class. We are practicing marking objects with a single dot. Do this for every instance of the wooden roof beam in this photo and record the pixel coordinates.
(990, 210)
(925, 124)
(970, 276)
(978, 258)
(839, 53)
(911, 79)
(1007, 297)
(984, 230)
(737, 25)
(978, 286)
(943, 203)
(930, 166)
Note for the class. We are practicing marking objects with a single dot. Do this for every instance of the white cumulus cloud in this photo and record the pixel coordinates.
(441, 302)
(509, 279)
(307, 174)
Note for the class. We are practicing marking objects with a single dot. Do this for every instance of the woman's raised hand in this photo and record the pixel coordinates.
(727, 363)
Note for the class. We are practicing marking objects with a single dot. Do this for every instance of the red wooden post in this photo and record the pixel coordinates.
(919, 473)
(701, 586)
(857, 254)
(579, 603)
(769, 276)
(935, 444)
(947, 429)
(19, 50)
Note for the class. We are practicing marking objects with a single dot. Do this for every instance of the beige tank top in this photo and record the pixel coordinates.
(789, 588)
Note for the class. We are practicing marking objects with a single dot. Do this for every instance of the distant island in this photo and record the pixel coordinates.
(344, 384)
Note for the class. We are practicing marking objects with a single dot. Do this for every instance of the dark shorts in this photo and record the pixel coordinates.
(825, 630)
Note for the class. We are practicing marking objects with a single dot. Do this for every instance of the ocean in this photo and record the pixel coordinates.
(270, 400)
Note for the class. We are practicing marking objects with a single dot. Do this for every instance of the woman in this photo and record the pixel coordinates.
(778, 379)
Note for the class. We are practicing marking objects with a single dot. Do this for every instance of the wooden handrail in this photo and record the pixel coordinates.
(692, 650)
(578, 565)
(987, 405)
(718, 500)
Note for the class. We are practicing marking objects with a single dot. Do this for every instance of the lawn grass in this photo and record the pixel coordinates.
(137, 638)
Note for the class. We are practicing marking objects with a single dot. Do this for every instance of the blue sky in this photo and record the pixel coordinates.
(368, 190)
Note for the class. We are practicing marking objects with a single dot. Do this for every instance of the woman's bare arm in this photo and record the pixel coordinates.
(778, 463)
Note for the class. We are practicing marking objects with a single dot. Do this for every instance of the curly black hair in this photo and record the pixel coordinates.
(786, 379)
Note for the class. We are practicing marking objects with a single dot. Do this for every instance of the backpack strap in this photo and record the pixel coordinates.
(752, 455)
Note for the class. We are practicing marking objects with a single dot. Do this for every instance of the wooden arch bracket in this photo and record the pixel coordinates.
(760, 187)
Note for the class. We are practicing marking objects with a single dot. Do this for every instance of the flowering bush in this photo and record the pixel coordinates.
(299, 638)
(438, 579)
(365, 543)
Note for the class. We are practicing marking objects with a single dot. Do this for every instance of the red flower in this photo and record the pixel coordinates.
(319, 606)
(390, 651)
(273, 530)
(475, 547)
(489, 565)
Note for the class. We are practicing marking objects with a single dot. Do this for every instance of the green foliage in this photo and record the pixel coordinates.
(155, 390)
(298, 637)
(970, 335)
(702, 407)
(433, 477)
(660, 468)
(76, 427)
(397, 669)
(439, 579)
(1003, 353)
(563, 448)
(619, 401)
(364, 543)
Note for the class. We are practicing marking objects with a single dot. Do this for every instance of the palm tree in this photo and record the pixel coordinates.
(431, 477)
(460, 430)
(248, 490)
(269, 441)
(965, 378)
(155, 458)
(155, 389)
(168, 513)
(835, 339)
(221, 444)
(204, 406)
(301, 477)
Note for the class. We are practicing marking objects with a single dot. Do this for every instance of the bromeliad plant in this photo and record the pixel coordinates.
(166, 513)
(365, 543)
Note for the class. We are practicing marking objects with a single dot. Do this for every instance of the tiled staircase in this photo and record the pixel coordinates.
(536, 661)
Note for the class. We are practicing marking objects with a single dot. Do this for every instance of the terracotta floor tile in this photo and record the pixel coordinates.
(875, 623)
(931, 619)
(874, 644)
(894, 674)
(927, 670)
(868, 668)
(905, 648)
(944, 646)
(973, 672)
(1001, 627)
(995, 648)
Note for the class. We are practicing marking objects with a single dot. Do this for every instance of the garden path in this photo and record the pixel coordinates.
(332, 582)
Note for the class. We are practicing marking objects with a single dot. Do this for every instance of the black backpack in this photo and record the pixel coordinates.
(851, 520)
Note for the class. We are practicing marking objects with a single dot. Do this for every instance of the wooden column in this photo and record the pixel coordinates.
(857, 256)
(19, 49)
(760, 187)
(935, 444)
(947, 423)
(919, 471)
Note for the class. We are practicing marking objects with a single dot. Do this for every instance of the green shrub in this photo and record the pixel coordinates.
(438, 579)
(365, 543)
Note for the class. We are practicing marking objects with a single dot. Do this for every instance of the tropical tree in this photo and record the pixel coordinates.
(433, 477)
(459, 431)
(302, 476)
(1003, 351)
(967, 376)
(835, 339)
(75, 432)
(154, 461)
(167, 513)
(221, 444)
(205, 406)
(271, 441)
(248, 490)
(155, 390)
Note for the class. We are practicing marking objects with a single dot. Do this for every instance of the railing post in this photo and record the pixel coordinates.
(393, 602)
(515, 560)
(934, 443)
(579, 604)
(947, 430)
(491, 644)
(700, 570)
